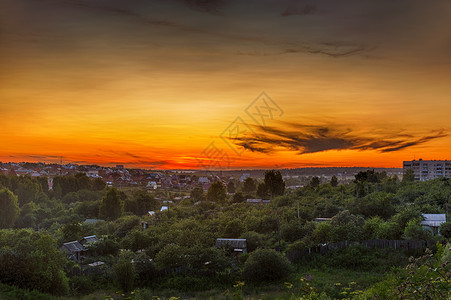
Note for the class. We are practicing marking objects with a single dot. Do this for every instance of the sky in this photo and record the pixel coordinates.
(182, 84)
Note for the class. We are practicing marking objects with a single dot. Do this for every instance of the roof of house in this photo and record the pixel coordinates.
(433, 220)
(235, 243)
(164, 208)
(92, 221)
(89, 239)
(74, 246)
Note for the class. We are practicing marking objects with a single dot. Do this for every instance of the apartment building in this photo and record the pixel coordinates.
(428, 169)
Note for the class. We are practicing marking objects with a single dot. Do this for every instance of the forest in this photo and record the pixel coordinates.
(172, 253)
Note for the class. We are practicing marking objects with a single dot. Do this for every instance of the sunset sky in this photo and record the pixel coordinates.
(178, 84)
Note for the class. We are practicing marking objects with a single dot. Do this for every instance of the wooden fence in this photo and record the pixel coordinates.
(296, 255)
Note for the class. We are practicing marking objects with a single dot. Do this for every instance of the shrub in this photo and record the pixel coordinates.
(266, 265)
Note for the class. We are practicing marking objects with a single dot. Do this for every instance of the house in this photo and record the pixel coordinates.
(74, 250)
(150, 213)
(92, 221)
(432, 222)
(203, 180)
(89, 239)
(163, 208)
(151, 185)
(258, 201)
(239, 245)
(322, 219)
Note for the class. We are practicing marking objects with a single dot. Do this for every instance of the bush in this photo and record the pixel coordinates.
(445, 229)
(125, 275)
(266, 265)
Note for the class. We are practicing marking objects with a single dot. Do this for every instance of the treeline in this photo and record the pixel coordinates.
(374, 206)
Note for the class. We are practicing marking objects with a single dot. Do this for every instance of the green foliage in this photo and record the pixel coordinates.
(414, 231)
(314, 182)
(238, 198)
(266, 265)
(322, 233)
(125, 274)
(274, 183)
(334, 181)
(231, 187)
(31, 260)
(72, 232)
(171, 256)
(9, 208)
(249, 185)
(111, 206)
(409, 176)
(197, 194)
(217, 192)
(445, 229)
(254, 240)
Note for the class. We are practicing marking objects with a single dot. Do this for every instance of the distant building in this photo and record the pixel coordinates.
(238, 245)
(428, 169)
(74, 250)
(432, 222)
(89, 239)
(258, 201)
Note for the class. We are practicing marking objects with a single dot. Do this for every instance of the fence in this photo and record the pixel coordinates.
(296, 255)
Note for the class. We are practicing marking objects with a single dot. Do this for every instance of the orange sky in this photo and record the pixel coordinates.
(153, 83)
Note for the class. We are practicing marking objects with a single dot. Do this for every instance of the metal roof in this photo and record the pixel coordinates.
(433, 220)
(87, 239)
(74, 246)
(235, 243)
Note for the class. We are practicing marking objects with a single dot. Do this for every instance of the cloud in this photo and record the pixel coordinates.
(319, 138)
(209, 6)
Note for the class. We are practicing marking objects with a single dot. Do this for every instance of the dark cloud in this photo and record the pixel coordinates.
(319, 138)
(209, 6)
(329, 49)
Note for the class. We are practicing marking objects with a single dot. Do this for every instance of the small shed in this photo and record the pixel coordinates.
(238, 245)
(164, 207)
(74, 250)
(89, 239)
(432, 222)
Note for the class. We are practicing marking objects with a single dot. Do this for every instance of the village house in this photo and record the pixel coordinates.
(74, 250)
(432, 222)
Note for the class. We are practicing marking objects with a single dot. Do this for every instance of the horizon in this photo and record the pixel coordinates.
(225, 85)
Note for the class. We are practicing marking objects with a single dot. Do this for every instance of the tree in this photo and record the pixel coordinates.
(274, 183)
(409, 176)
(445, 229)
(266, 265)
(231, 187)
(125, 275)
(197, 194)
(334, 181)
(31, 260)
(217, 192)
(9, 208)
(414, 231)
(111, 206)
(262, 191)
(72, 231)
(314, 182)
(238, 198)
(249, 185)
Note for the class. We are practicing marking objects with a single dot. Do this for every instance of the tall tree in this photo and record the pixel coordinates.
(334, 181)
(274, 183)
(217, 192)
(9, 208)
(111, 206)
